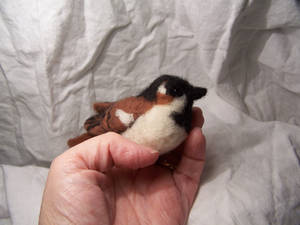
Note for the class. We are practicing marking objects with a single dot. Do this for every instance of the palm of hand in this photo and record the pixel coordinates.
(148, 196)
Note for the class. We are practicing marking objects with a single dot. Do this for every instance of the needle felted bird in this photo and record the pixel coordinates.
(159, 117)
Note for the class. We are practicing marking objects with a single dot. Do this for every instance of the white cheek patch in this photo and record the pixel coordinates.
(162, 89)
(124, 117)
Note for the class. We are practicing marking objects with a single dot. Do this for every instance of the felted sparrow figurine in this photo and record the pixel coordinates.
(159, 117)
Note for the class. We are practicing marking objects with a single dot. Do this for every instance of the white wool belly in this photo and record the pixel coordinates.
(157, 129)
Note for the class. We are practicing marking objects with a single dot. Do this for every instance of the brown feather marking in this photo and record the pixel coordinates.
(93, 121)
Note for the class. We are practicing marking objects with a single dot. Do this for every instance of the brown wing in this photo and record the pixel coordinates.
(110, 121)
(107, 120)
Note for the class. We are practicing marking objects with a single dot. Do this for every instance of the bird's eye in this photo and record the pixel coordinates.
(176, 91)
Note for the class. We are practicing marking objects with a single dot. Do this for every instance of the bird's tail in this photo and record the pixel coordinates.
(77, 140)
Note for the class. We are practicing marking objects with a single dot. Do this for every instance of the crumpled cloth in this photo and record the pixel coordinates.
(58, 57)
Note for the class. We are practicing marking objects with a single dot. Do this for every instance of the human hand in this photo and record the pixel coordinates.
(111, 180)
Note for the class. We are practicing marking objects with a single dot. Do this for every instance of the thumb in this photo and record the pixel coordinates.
(105, 151)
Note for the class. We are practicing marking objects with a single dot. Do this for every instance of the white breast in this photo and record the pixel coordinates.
(156, 128)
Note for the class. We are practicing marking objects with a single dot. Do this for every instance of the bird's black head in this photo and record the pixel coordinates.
(173, 86)
(179, 89)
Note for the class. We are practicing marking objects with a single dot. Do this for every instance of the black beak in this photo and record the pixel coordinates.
(198, 92)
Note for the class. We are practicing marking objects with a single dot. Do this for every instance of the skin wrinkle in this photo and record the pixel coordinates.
(49, 213)
(87, 186)
(192, 158)
(189, 203)
(138, 158)
(143, 196)
(135, 212)
(111, 213)
(81, 159)
(147, 196)
(178, 188)
(63, 164)
(106, 199)
(180, 173)
(179, 170)
(123, 192)
(113, 202)
(147, 219)
(110, 155)
(97, 176)
(181, 197)
(68, 215)
(131, 200)
(103, 161)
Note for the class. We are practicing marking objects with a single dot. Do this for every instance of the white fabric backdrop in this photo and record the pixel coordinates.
(59, 56)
